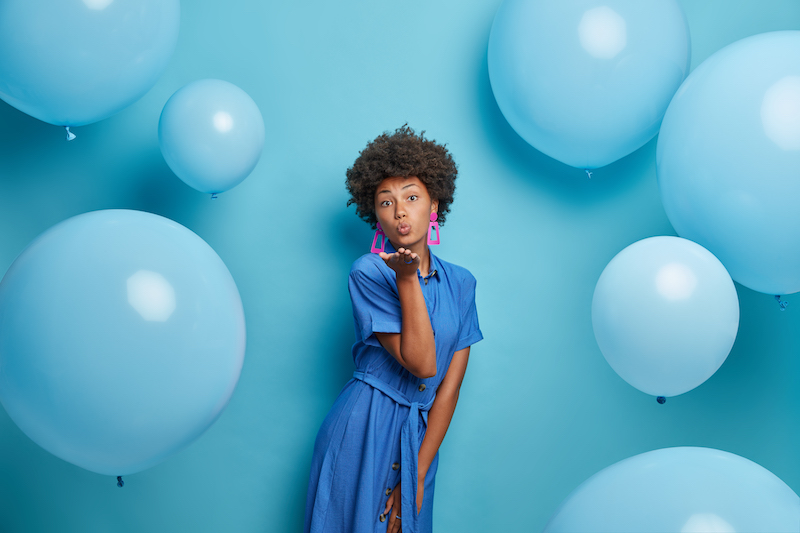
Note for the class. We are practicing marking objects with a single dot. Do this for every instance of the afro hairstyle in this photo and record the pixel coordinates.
(402, 153)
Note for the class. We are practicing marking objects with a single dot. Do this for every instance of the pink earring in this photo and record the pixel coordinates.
(433, 227)
(378, 234)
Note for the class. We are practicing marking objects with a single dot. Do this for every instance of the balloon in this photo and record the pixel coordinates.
(728, 156)
(680, 490)
(587, 81)
(211, 135)
(122, 338)
(75, 62)
(665, 315)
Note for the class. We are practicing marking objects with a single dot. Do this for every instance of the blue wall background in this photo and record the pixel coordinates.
(540, 409)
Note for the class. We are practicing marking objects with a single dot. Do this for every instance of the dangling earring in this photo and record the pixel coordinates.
(433, 227)
(378, 233)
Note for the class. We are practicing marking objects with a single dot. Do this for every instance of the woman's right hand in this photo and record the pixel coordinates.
(404, 262)
(392, 510)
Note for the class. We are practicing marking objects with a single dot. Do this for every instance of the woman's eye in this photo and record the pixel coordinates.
(413, 197)
(386, 203)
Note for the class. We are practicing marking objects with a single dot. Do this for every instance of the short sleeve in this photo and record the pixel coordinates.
(470, 331)
(376, 306)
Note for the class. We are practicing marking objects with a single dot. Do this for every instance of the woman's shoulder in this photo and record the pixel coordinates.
(368, 265)
(369, 272)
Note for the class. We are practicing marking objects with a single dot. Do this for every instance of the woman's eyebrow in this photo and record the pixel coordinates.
(406, 187)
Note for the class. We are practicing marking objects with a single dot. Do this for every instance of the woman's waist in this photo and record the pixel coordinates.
(401, 390)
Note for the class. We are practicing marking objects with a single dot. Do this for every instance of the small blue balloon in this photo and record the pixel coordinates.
(122, 337)
(211, 134)
(665, 315)
(680, 490)
(728, 157)
(587, 81)
(77, 62)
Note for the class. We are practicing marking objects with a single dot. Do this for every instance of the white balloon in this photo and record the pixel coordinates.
(680, 490)
(665, 315)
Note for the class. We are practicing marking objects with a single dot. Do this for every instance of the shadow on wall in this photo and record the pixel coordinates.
(33, 145)
(568, 184)
(153, 187)
(94, 171)
(347, 239)
(21, 134)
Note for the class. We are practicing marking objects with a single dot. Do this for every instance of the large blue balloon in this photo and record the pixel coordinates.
(75, 62)
(728, 157)
(587, 81)
(211, 134)
(680, 490)
(122, 338)
(665, 315)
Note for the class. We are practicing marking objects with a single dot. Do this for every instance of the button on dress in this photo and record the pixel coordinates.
(371, 437)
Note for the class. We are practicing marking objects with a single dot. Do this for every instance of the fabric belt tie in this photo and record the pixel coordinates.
(409, 447)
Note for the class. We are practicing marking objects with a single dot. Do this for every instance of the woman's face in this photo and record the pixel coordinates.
(403, 208)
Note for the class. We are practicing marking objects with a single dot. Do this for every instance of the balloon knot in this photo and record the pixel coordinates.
(588, 173)
(661, 400)
(120, 483)
(784, 304)
(70, 135)
(213, 196)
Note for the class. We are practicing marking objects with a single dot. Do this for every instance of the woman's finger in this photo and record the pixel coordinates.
(392, 258)
(389, 503)
(397, 524)
(392, 523)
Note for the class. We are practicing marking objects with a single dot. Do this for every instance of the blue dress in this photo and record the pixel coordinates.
(370, 440)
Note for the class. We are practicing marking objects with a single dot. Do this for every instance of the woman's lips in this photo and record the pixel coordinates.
(403, 229)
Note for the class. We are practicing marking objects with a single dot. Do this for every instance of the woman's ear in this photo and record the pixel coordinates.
(434, 206)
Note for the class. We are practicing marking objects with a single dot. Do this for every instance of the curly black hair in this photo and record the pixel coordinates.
(402, 153)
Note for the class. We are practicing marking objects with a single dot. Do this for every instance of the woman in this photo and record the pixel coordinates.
(376, 454)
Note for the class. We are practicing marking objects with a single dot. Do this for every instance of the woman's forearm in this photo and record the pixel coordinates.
(439, 418)
(417, 346)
